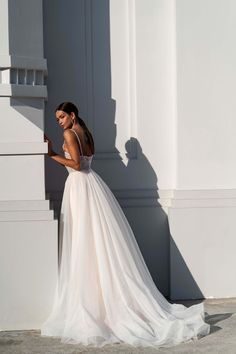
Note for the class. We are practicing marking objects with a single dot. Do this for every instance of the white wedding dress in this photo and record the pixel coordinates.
(105, 293)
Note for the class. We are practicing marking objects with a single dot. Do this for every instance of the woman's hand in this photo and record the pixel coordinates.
(50, 150)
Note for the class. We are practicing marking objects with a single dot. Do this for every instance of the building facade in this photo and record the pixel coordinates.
(154, 81)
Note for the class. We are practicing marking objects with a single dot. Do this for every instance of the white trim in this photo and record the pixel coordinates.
(203, 193)
(107, 155)
(13, 61)
(20, 148)
(172, 199)
(22, 215)
(23, 91)
(131, 197)
(14, 205)
(213, 198)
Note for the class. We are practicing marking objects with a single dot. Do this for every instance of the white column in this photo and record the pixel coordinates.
(28, 231)
(120, 75)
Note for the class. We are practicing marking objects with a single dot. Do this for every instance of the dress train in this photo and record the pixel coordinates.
(105, 293)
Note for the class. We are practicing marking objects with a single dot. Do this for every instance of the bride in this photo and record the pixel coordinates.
(105, 293)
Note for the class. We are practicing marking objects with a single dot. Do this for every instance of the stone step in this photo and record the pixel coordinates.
(20, 205)
(25, 215)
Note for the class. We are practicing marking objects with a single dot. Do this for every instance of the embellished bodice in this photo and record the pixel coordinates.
(85, 160)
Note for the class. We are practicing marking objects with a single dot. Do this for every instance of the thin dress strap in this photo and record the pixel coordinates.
(81, 150)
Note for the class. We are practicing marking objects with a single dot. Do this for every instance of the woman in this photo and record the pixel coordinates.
(105, 293)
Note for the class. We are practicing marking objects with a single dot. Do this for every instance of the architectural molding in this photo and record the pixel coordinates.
(15, 205)
(32, 215)
(174, 199)
(21, 148)
(202, 243)
(107, 155)
(8, 90)
(213, 198)
(130, 197)
(14, 61)
(22, 76)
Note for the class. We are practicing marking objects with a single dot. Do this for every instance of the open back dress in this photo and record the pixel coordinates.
(105, 293)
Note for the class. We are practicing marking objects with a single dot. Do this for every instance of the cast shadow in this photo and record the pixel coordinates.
(212, 320)
(79, 67)
(182, 279)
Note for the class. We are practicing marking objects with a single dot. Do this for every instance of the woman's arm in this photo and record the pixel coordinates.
(72, 147)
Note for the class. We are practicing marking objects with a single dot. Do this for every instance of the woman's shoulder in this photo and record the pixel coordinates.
(70, 133)
(67, 132)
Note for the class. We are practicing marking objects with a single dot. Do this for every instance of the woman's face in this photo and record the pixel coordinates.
(64, 119)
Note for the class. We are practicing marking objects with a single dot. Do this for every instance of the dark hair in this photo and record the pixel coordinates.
(70, 107)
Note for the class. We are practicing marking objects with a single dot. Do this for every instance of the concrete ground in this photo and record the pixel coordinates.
(221, 315)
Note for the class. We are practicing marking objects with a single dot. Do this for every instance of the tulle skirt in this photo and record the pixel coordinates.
(105, 293)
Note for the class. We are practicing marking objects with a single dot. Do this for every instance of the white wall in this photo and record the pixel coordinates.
(22, 41)
(143, 81)
(130, 81)
(202, 214)
(206, 83)
(115, 61)
(155, 82)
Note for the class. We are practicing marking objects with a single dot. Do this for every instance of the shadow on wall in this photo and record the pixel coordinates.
(183, 282)
(77, 49)
(145, 214)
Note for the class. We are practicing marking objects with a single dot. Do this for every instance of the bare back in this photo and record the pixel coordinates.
(85, 148)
